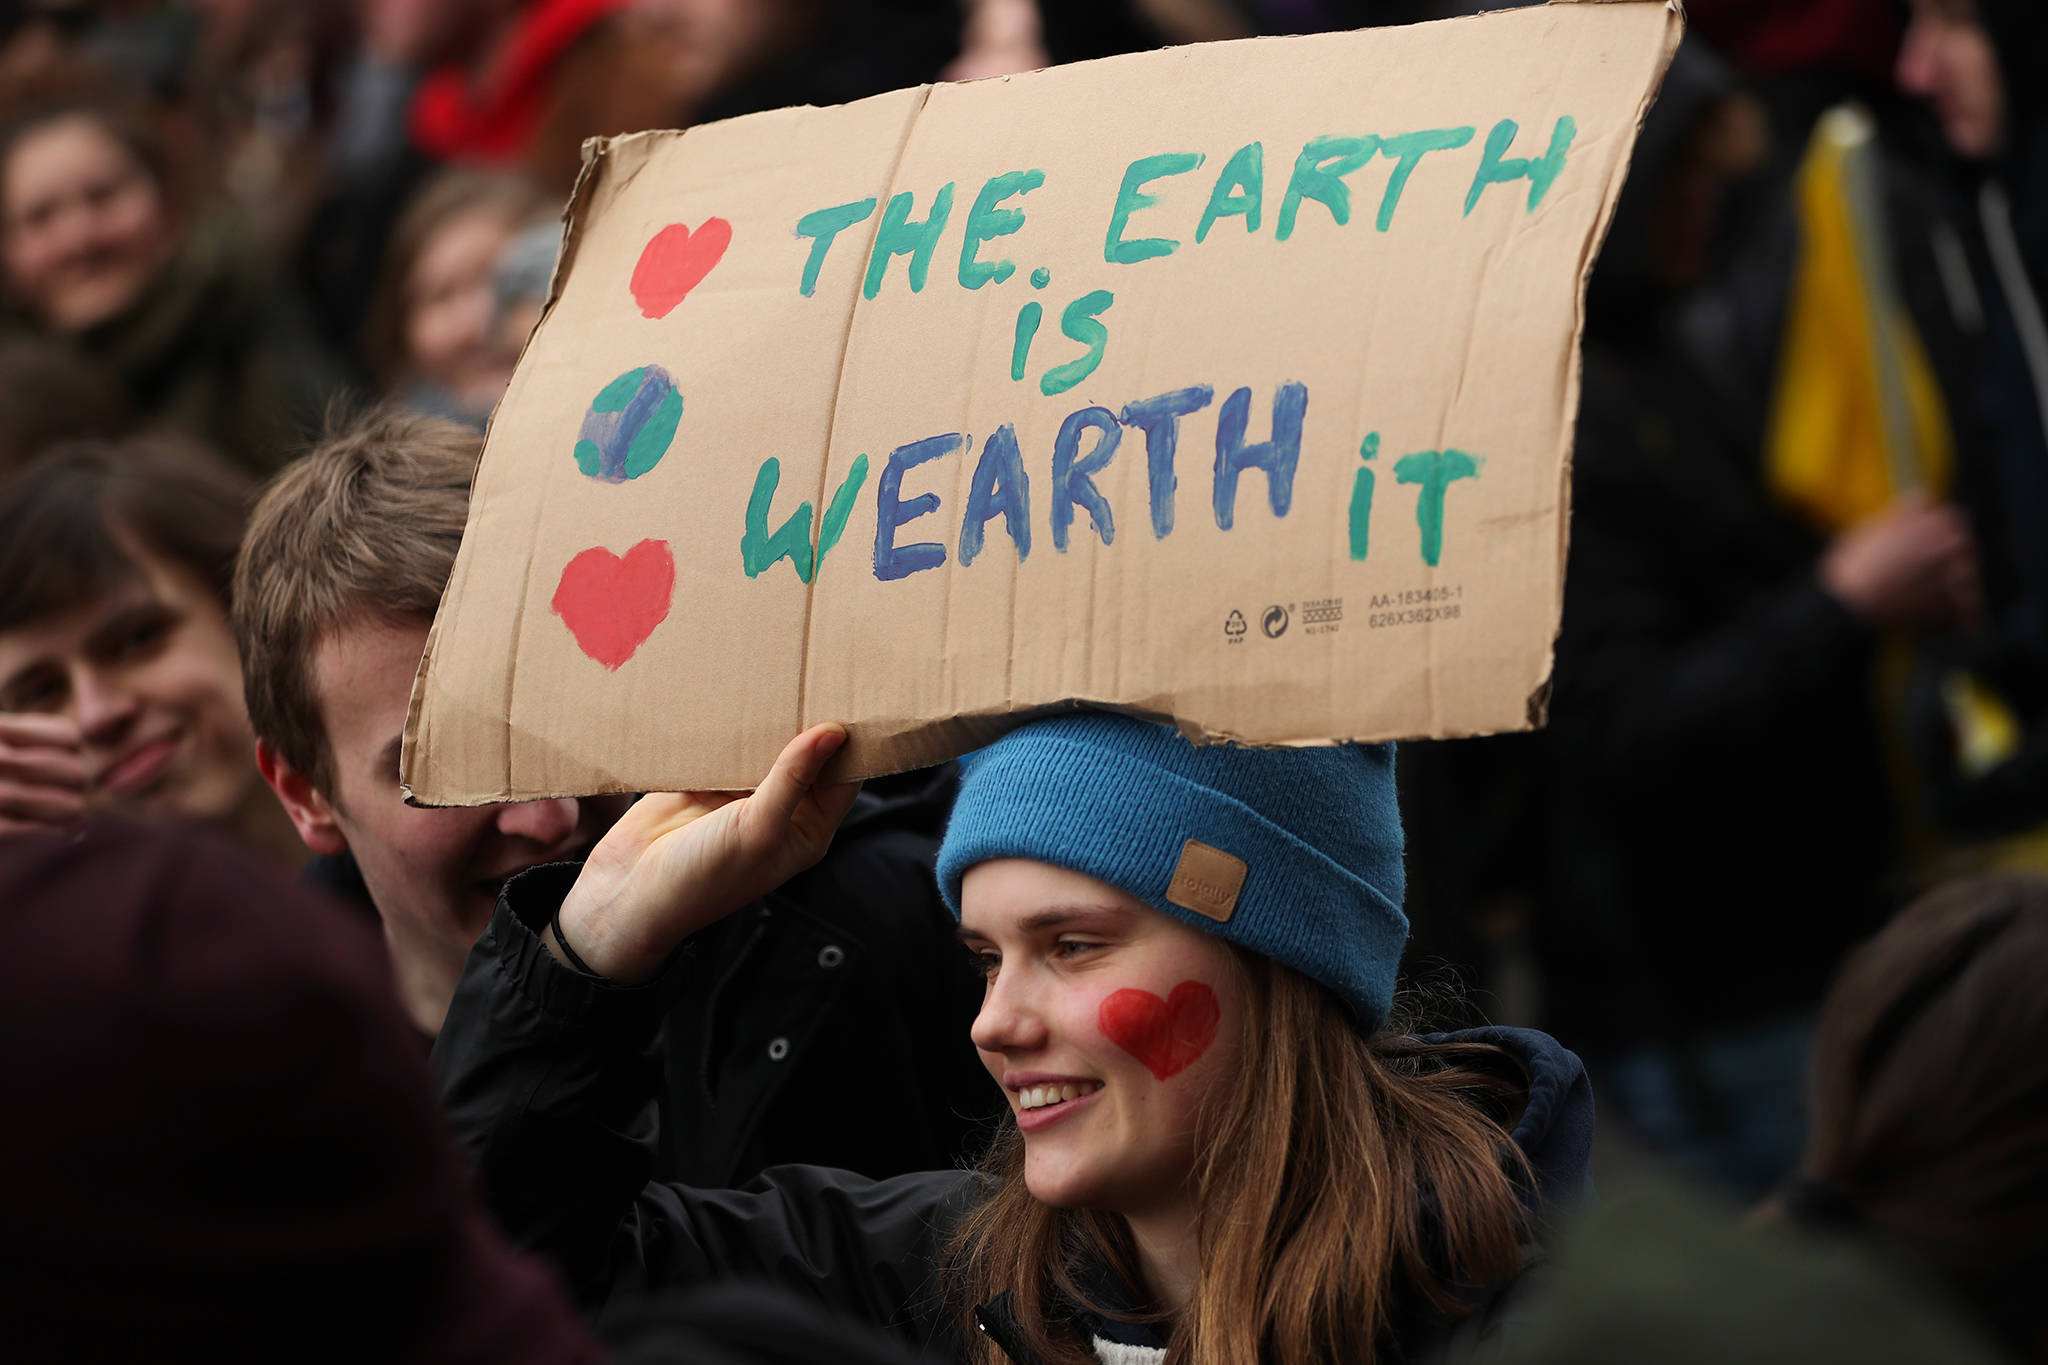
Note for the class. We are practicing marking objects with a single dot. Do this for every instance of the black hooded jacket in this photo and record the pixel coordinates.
(551, 1079)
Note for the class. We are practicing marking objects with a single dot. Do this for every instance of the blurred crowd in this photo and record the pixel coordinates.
(1774, 870)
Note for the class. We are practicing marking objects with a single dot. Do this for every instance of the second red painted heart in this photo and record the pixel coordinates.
(612, 603)
(1166, 1035)
(674, 261)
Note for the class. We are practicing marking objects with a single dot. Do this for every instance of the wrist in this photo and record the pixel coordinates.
(585, 936)
(1842, 588)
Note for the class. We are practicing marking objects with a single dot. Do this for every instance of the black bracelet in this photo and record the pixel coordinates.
(562, 942)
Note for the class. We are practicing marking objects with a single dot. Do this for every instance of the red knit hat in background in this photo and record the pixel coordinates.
(496, 123)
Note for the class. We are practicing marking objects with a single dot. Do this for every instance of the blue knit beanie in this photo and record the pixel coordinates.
(1292, 853)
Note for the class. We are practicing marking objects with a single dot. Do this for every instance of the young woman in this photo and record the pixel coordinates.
(1219, 1151)
(433, 334)
(120, 687)
(101, 246)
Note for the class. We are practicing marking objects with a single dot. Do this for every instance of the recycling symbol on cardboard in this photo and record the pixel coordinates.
(1233, 625)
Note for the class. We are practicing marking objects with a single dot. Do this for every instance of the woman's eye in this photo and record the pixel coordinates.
(1072, 947)
(41, 695)
(142, 637)
(103, 192)
(985, 964)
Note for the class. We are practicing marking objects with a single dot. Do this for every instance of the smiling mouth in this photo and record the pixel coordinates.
(140, 766)
(1035, 1097)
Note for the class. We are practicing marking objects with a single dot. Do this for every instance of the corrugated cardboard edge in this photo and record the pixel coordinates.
(1538, 706)
(597, 154)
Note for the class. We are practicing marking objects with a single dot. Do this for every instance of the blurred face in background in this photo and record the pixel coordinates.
(149, 676)
(83, 223)
(451, 335)
(1946, 58)
(697, 49)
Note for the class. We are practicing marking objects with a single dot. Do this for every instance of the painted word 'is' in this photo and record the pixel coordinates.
(1088, 440)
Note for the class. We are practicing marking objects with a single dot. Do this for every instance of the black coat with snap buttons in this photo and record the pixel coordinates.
(827, 1024)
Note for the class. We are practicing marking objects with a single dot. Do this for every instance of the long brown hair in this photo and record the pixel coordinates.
(1344, 1184)
(1930, 1097)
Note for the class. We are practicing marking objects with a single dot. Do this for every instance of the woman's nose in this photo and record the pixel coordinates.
(1010, 1019)
(74, 231)
(104, 708)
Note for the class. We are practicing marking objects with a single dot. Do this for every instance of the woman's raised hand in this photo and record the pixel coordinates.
(43, 777)
(677, 862)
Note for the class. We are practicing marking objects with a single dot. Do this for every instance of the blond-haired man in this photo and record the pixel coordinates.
(335, 587)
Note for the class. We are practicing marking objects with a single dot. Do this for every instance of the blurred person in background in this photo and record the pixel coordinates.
(261, 84)
(1916, 1228)
(1978, 65)
(1930, 1102)
(238, 1155)
(102, 245)
(1658, 1272)
(1726, 816)
(119, 683)
(435, 334)
(517, 85)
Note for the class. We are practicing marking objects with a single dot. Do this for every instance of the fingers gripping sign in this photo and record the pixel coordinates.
(680, 861)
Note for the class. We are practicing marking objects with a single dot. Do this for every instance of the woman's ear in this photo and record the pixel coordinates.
(310, 811)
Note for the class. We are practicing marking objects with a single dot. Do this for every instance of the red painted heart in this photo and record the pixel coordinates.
(612, 603)
(1166, 1035)
(674, 261)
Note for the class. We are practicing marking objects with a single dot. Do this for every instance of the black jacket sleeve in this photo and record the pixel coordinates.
(550, 1078)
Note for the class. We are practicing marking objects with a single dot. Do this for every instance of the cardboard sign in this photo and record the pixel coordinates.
(1230, 383)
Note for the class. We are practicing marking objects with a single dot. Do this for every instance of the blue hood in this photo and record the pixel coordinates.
(1556, 1129)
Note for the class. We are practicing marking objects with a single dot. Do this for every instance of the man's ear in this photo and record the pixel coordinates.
(312, 815)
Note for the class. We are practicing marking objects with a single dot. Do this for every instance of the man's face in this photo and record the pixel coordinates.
(1946, 58)
(434, 874)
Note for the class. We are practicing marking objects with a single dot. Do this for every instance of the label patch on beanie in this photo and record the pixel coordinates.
(1207, 881)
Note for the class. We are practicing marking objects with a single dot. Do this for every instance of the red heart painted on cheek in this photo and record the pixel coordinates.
(612, 603)
(1166, 1035)
(674, 261)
